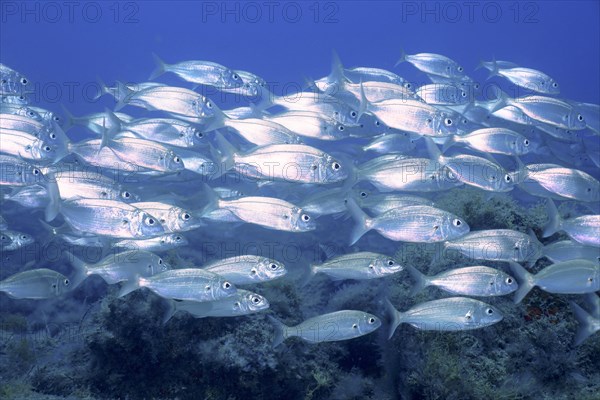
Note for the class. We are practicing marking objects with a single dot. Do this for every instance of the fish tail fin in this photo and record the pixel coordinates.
(122, 95)
(586, 321)
(103, 88)
(394, 316)
(160, 68)
(365, 105)
(494, 69)
(450, 141)
(480, 65)
(502, 99)
(69, 118)
(108, 134)
(401, 59)
(280, 333)
(525, 280)
(363, 222)
(212, 200)
(226, 153)
(432, 149)
(308, 275)
(129, 286)
(80, 267)
(554, 221)
(53, 207)
(171, 310)
(421, 281)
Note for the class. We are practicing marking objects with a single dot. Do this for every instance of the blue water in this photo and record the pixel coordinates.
(64, 48)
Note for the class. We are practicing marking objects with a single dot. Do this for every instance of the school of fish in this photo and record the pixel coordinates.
(361, 142)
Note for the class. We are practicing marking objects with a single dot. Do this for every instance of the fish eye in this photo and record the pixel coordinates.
(377, 123)
(207, 288)
(199, 134)
(457, 222)
(335, 166)
(507, 178)
(354, 326)
(580, 117)
(460, 69)
(209, 104)
(160, 261)
(526, 142)
(52, 136)
(36, 171)
(149, 221)
(463, 94)
(509, 280)
(31, 114)
(555, 84)
(448, 121)
(273, 266)
(186, 216)
(313, 167)
(177, 238)
(23, 237)
(476, 86)
(126, 195)
(255, 300)
(54, 286)
(408, 85)
(24, 81)
(353, 114)
(56, 118)
(47, 148)
(21, 97)
(390, 262)
(67, 282)
(341, 128)
(305, 217)
(489, 311)
(177, 159)
(371, 320)
(226, 285)
(363, 194)
(235, 77)
(428, 120)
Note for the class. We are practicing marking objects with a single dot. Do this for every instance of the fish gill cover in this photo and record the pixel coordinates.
(300, 200)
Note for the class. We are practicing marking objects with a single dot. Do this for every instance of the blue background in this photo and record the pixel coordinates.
(57, 46)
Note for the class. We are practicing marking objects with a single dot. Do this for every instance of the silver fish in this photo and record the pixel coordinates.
(283, 162)
(493, 140)
(268, 212)
(559, 182)
(262, 132)
(36, 284)
(167, 131)
(549, 111)
(182, 103)
(310, 124)
(81, 184)
(568, 277)
(434, 64)
(247, 269)
(361, 265)
(449, 314)
(160, 243)
(497, 245)
(16, 172)
(468, 281)
(417, 224)
(194, 284)
(400, 173)
(110, 218)
(378, 203)
(332, 327)
(584, 229)
(119, 267)
(528, 78)
(200, 72)
(146, 154)
(29, 147)
(241, 303)
(566, 250)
